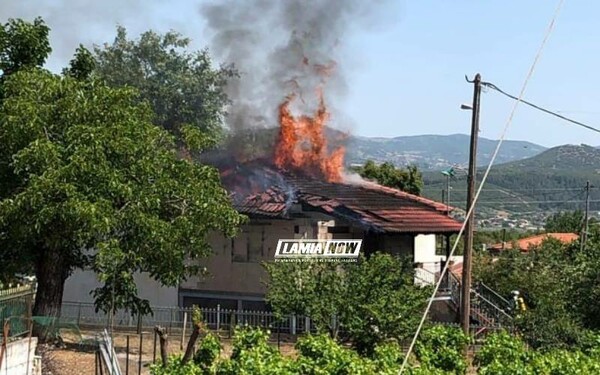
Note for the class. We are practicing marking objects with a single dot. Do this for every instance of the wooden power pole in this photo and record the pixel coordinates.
(465, 308)
(586, 226)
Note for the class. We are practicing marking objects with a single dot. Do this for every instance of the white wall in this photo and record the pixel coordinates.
(19, 357)
(425, 249)
(79, 285)
(425, 253)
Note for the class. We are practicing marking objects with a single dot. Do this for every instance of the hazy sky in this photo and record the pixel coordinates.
(405, 74)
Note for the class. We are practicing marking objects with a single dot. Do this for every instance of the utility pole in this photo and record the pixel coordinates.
(584, 233)
(444, 197)
(465, 308)
(448, 194)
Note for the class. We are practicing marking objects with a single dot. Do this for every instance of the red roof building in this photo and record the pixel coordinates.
(367, 205)
(281, 205)
(525, 244)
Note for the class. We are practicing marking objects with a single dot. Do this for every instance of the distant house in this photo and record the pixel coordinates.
(525, 244)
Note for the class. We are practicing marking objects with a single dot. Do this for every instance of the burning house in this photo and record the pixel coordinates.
(303, 192)
(288, 205)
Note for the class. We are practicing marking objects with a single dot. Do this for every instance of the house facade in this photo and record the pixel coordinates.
(384, 219)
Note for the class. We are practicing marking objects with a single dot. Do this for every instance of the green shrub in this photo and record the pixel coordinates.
(322, 355)
(503, 354)
(440, 347)
(174, 367)
(252, 354)
(208, 352)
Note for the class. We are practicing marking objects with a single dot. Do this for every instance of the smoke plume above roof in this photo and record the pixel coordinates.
(280, 47)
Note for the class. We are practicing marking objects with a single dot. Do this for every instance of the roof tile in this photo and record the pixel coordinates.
(373, 206)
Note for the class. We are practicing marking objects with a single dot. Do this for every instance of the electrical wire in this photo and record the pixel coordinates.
(557, 190)
(470, 212)
(494, 87)
(528, 202)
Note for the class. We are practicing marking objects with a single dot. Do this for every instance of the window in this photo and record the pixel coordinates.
(239, 247)
(440, 245)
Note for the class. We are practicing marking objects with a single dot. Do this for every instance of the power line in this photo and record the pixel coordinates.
(507, 190)
(531, 202)
(494, 87)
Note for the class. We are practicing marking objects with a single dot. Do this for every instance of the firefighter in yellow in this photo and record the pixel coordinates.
(518, 302)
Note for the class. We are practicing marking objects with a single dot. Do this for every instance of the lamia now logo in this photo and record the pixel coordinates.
(316, 250)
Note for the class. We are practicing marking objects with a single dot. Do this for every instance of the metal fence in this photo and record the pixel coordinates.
(174, 318)
(15, 310)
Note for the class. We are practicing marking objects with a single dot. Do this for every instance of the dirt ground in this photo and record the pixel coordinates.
(77, 356)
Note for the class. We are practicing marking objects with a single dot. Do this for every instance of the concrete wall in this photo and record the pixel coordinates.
(236, 275)
(235, 266)
(79, 285)
(19, 357)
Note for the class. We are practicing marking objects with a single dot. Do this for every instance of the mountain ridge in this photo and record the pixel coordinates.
(433, 151)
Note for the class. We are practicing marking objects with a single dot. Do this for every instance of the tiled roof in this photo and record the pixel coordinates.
(524, 244)
(368, 205)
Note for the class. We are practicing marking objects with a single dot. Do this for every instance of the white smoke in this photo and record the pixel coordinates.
(90, 22)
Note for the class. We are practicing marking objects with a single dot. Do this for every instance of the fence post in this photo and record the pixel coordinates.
(127, 357)
(306, 324)
(218, 317)
(154, 349)
(140, 354)
(139, 324)
(183, 330)
(79, 315)
(293, 324)
(278, 333)
(231, 323)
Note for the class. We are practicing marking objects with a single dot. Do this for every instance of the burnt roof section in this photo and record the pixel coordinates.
(368, 205)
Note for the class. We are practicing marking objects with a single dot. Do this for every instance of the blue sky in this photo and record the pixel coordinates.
(406, 76)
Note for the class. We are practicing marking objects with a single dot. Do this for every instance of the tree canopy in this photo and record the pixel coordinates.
(89, 181)
(567, 222)
(184, 90)
(559, 284)
(374, 300)
(409, 180)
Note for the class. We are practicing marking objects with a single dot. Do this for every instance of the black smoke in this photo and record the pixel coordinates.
(282, 47)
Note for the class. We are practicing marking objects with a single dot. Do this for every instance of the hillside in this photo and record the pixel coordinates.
(434, 152)
(428, 152)
(567, 157)
(552, 180)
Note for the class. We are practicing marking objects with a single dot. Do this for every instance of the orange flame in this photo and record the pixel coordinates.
(302, 143)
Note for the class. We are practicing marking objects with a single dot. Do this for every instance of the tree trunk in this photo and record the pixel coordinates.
(51, 273)
(162, 335)
(189, 351)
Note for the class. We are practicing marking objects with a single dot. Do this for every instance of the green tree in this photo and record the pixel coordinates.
(310, 289)
(565, 222)
(94, 184)
(585, 281)
(545, 276)
(184, 90)
(374, 300)
(382, 301)
(409, 180)
(23, 45)
(82, 65)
